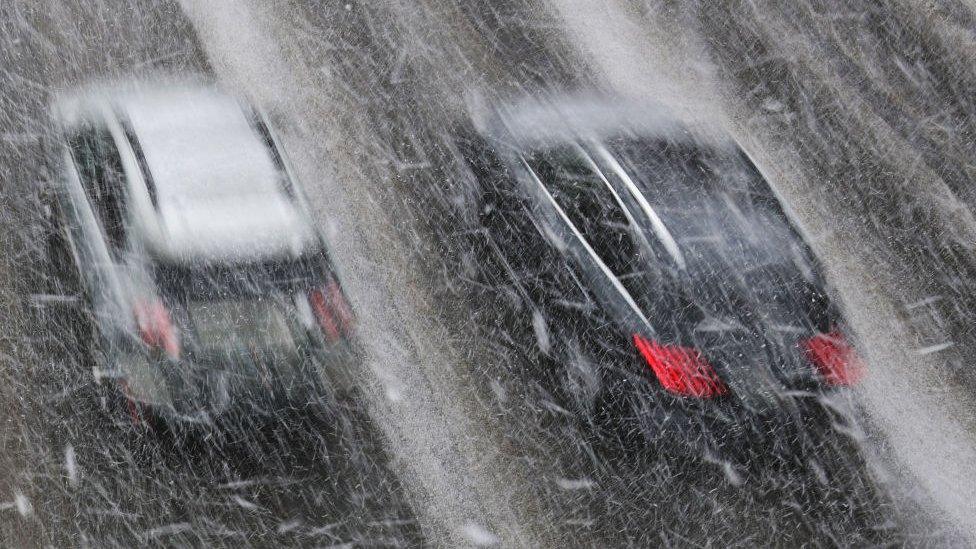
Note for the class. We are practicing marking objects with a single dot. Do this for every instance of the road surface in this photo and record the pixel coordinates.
(451, 442)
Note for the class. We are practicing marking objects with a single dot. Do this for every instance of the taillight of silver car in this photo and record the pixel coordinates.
(332, 311)
(681, 370)
(156, 327)
(835, 359)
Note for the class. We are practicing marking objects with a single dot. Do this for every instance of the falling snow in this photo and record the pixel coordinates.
(521, 273)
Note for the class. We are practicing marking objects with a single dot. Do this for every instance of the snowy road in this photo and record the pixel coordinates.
(449, 442)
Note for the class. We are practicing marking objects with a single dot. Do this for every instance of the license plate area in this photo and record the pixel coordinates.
(255, 327)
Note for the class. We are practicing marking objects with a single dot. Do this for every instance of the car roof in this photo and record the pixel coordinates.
(201, 142)
(220, 191)
(88, 100)
(195, 137)
(542, 119)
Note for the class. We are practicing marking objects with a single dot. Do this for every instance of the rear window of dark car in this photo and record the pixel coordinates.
(738, 249)
(741, 249)
(576, 186)
(688, 177)
(706, 195)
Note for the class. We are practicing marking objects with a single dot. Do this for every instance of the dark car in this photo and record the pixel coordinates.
(660, 267)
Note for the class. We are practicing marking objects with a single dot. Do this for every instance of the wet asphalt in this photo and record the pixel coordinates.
(475, 454)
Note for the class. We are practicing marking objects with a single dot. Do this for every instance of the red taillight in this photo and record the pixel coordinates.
(156, 327)
(332, 311)
(681, 370)
(834, 358)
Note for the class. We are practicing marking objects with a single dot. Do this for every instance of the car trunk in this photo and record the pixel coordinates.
(752, 323)
(741, 285)
(235, 314)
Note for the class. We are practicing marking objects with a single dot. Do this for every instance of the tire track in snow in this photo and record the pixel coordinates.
(412, 383)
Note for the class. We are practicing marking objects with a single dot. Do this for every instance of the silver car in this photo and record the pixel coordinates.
(178, 226)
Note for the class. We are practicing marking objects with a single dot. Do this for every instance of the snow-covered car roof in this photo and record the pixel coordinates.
(545, 118)
(200, 143)
(219, 192)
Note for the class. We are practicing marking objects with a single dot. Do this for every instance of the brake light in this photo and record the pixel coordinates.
(332, 311)
(156, 327)
(834, 358)
(681, 370)
(340, 305)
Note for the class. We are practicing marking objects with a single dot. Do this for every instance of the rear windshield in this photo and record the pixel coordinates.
(738, 252)
(705, 194)
(203, 282)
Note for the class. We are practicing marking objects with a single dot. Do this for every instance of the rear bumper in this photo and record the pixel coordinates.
(189, 391)
(724, 426)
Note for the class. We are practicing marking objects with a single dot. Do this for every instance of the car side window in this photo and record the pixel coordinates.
(99, 165)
